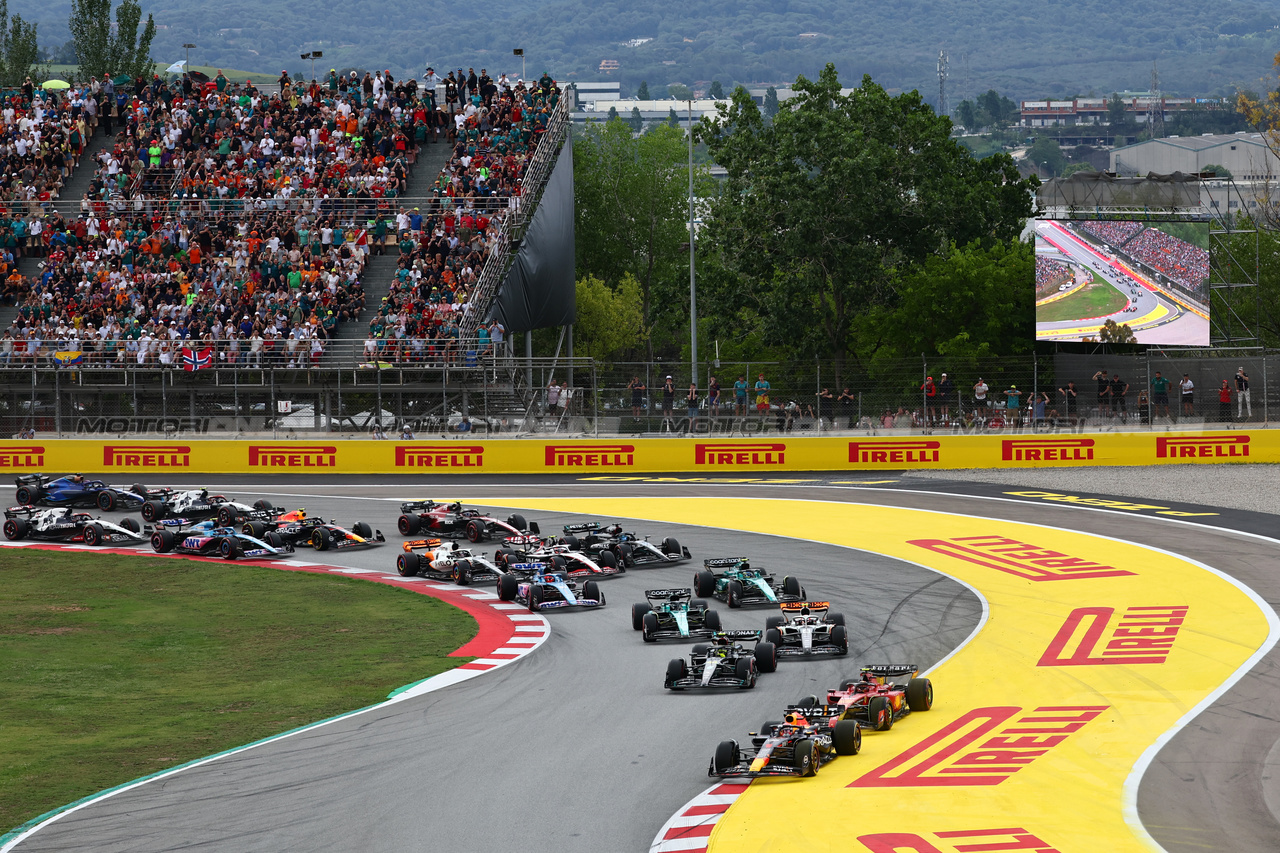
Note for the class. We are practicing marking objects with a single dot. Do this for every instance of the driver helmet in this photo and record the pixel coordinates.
(456, 506)
(301, 513)
(204, 493)
(77, 478)
(871, 679)
(862, 687)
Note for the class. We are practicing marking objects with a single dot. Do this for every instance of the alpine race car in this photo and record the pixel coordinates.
(297, 528)
(443, 560)
(875, 701)
(629, 549)
(452, 520)
(673, 614)
(796, 746)
(197, 505)
(739, 584)
(76, 491)
(546, 588)
(807, 628)
(209, 539)
(64, 525)
(722, 663)
(558, 555)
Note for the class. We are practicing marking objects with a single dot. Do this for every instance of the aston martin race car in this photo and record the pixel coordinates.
(738, 584)
(796, 746)
(561, 557)
(807, 628)
(723, 662)
(673, 614)
(195, 505)
(876, 701)
(545, 589)
(209, 539)
(64, 525)
(629, 549)
(75, 490)
(443, 560)
(454, 521)
(297, 528)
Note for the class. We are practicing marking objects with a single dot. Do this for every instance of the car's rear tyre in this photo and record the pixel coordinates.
(734, 596)
(535, 597)
(256, 529)
(475, 530)
(745, 672)
(229, 548)
(16, 528)
(768, 726)
(805, 760)
(809, 701)
(676, 670)
(840, 639)
(320, 539)
(226, 516)
(263, 504)
(607, 560)
(699, 604)
(880, 713)
(574, 543)
(919, 694)
(28, 495)
(131, 525)
(727, 757)
(649, 627)
(559, 564)
(712, 620)
(507, 587)
(766, 655)
(637, 615)
(408, 524)
(275, 540)
(153, 510)
(671, 547)
(140, 490)
(847, 737)
(408, 564)
(93, 534)
(700, 648)
(106, 500)
(791, 586)
(835, 618)
(591, 590)
(773, 635)
(517, 521)
(162, 541)
(362, 529)
(773, 622)
(704, 584)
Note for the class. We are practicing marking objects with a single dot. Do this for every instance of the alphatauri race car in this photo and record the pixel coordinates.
(209, 539)
(673, 614)
(197, 505)
(876, 701)
(75, 490)
(738, 584)
(545, 588)
(629, 549)
(562, 558)
(65, 525)
(794, 746)
(444, 560)
(298, 528)
(806, 628)
(455, 521)
(722, 663)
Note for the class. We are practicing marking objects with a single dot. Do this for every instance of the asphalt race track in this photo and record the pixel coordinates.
(578, 747)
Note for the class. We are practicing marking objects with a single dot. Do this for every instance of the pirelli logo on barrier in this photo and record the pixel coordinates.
(18, 456)
(984, 747)
(1019, 558)
(1092, 636)
(763, 453)
(440, 456)
(590, 455)
(146, 455)
(894, 452)
(1005, 839)
(293, 456)
(1046, 449)
(1202, 447)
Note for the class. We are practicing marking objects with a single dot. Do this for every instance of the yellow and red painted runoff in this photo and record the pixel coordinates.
(1093, 649)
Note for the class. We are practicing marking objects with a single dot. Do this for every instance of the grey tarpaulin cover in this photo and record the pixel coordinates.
(539, 289)
(1085, 190)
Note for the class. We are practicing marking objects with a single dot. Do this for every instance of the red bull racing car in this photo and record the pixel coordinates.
(798, 745)
(298, 528)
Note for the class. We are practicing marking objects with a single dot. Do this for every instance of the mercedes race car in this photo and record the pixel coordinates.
(76, 491)
(723, 662)
(561, 557)
(738, 584)
(673, 614)
(209, 539)
(195, 505)
(796, 746)
(628, 549)
(807, 628)
(876, 701)
(545, 589)
(443, 560)
(64, 525)
(297, 528)
(453, 521)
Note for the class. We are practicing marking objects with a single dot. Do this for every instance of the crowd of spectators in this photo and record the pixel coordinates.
(1184, 263)
(1114, 234)
(1051, 274)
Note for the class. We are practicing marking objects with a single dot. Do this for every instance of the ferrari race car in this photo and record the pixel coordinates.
(452, 520)
(442, 560)
(545, 588)
(297, 528)
(876, 702)
(209, 539)
(561, 557)
(796, 746)
(76, 491)
(629, 549)
(807, 628)
(673, 614)
(722, 663)
(63, 525)
(197, 504)
(739, 584)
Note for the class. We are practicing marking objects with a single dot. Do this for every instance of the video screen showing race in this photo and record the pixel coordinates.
(1151, 277)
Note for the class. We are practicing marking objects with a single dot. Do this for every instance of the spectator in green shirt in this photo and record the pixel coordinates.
(1160, 394)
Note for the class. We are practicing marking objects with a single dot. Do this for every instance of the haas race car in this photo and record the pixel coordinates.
(197, 505)
(298, 528)
(738, 584)
(628, 549)
(561, 557)
(797, 745)
(875, 701)
(209, 539)
(722, 663)
(64, 525)
(807, 628)
(76, 491)
(543, 588)
(673, 614)
(455, 522)
(443, 560)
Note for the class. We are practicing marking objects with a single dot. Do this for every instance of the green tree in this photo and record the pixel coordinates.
(636, 120)
(18, 49)
(104, 49)
(1047, 154)
(967, 115)
(1112, 332)
(1117, 112)
(716, 91)
(610, 320)
(770, 103)
(643, 92)
(673, 120)
(613, 114)
(995, 110)
(1216, 169)
(679, 91)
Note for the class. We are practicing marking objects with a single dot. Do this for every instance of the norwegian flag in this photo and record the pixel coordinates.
(196, 359)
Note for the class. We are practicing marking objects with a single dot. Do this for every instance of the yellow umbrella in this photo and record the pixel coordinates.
(55, 84)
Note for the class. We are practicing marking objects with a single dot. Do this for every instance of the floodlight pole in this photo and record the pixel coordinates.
(186, 68)
(693, 285)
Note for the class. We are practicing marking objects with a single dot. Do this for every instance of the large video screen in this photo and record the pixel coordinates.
(1150, 276)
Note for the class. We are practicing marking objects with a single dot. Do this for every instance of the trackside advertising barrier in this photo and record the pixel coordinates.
(639, 456)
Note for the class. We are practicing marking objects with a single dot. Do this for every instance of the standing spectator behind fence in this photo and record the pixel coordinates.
(1104, 392)
(1159, 395)
(826, 407)
(762, 395)
(1013, 397)
(713, 398)
(980, 390)
(1242, 394)
(668, 397)
(930, 398)
(946, 390)
(1224, 402)
(1070, 397)
(637, 395)
(1188, 394)
(553, 397)
(1119, 388)
(740, 396)
(847, 401)
(691, 401)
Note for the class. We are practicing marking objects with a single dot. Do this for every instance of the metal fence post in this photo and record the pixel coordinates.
(1266, 391)
(57, 401)
(1151, 406)
(1035, 387)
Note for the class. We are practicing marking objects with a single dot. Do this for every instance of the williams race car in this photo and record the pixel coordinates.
(628, 549)
(452, 520)
(442, 560)
(64, 525)
(806, 628)
(76, 491)
(208, 539)
(561, 557)
(722, 663)
(197, 505)
(738, 584)
(875, 701)
(793, 747)
(545, 588)
(297, 528)
(673, 614)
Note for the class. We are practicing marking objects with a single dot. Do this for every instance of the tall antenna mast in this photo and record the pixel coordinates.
(1155, 107)
(943, 107)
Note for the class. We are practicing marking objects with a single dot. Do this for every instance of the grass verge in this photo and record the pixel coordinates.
(115, 667)
(1096, 299)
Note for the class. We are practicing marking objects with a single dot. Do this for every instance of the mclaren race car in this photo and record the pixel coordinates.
(195, 505)
(876, 701)
(546, 588)
(456, 522)
(629, 549)
(795, 746)
(558, 555)
(209, 539)
(64, 525)
(444, 560)
(75, 490)
(737, 584)
(806, 628)
(298, 528)
(673, 614)
(723, 662)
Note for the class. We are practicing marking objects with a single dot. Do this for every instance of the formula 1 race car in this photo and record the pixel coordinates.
(76, 491)
(628, 549)
(441, 560)
(452, 520)
(722, 663)
(197, 505)
(64, 525)
(877, 703)
(673, 614)
(209, 539)
(561, 557)
(806, 628)
(545, 588)
(793, 747)
(739, 584)
(297, 528)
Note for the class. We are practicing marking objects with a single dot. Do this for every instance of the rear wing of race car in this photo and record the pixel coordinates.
(581, 527)
(417, 544)
(418, 506)
(722, 562)
(522, 540)
(31, 479)
(668, 594)
(813, 712)
(803, 607)
(890, 669)
(15, 511)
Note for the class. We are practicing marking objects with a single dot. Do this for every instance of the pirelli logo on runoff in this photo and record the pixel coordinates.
(984, 747)
(1019, 558)
(19, 456)
(440, 456)
(1202, 447)
(1005, 839)
(590, 455)
(1094, 636)
(763, 453)
(146, 455)
(894, 452)
(1046, 449)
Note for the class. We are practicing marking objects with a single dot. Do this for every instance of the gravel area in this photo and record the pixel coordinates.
(1251, 487)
